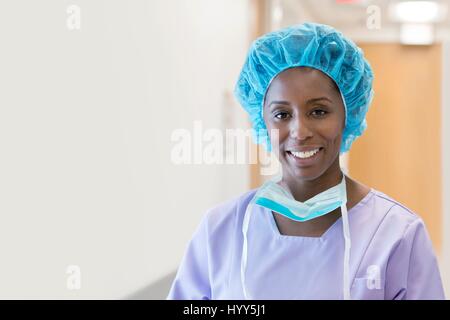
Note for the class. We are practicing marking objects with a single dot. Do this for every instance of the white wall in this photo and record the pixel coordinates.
(86, 118)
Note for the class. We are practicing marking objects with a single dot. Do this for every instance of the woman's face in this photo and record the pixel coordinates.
(305, 106)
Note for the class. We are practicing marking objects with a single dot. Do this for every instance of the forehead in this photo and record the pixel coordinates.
(301, 81)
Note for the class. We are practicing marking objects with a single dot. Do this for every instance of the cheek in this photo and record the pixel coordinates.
(278, 134)
(337, 138)
(331, 132)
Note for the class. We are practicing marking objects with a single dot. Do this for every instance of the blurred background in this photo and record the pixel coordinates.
(92, 205)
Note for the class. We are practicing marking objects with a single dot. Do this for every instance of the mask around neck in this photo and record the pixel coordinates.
(274, 197)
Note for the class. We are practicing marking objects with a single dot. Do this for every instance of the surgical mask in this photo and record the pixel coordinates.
(272, 196)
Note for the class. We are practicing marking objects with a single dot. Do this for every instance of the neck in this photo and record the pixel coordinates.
(303, 190)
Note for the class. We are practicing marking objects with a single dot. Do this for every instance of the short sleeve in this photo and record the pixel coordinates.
(192, 278)
(412, 272)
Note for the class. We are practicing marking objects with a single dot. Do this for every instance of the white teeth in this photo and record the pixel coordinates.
(304, 155)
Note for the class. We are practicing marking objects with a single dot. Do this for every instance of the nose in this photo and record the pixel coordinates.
(299, 128)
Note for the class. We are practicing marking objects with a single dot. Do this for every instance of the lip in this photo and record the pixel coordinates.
(304, 162)
(304, 149)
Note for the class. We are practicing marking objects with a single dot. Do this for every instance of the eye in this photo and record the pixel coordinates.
(281, 115)
(319, 113)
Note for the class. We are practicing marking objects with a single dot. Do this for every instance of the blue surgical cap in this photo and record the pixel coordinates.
(307, 45)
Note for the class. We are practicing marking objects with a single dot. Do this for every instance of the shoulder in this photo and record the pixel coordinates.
(381, 206)
(395, 208)
(378, 201)
(392, 215)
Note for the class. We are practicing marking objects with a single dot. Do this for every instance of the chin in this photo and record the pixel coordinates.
(305, 174)
(301, 171)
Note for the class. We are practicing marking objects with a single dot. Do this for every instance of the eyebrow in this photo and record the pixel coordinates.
(309, 101)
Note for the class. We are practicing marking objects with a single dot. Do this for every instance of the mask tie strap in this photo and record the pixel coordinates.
(347, 243)
(245, 224)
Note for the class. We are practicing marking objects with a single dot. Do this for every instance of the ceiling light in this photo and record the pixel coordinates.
(416, 11)
(416, 34)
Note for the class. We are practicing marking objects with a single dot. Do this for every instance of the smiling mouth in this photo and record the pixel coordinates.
(304, 159)
(304, 155)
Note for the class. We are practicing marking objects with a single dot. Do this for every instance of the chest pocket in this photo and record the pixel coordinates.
(367, 289)
(370, 286)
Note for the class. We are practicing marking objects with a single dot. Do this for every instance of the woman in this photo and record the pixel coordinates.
(312, 233)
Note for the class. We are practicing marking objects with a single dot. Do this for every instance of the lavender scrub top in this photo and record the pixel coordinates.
(391, 256)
